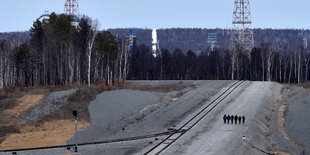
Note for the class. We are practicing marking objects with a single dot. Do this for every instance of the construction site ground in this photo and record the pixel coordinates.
(276, 118)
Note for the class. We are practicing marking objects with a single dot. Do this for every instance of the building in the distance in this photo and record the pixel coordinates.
(131, 44)
(71, 9)
(46, 16)
(212, 40)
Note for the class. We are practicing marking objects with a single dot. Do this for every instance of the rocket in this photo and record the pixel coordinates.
(154, 43)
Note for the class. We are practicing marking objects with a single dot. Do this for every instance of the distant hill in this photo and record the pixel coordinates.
(22, 37)
(195, 39)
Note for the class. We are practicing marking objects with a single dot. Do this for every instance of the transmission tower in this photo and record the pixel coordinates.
(241, 36)
(72, 7)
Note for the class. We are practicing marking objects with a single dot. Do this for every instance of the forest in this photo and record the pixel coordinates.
(261, 64)
(195, 39)
(56, 51)
(60, 52)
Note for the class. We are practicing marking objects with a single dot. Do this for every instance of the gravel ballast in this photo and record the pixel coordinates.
(51, 103)
(110, 110)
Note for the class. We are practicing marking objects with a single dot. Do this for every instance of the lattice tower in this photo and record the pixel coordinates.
(72, 7)
(241, 35)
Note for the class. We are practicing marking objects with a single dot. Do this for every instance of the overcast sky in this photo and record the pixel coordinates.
(18, 15)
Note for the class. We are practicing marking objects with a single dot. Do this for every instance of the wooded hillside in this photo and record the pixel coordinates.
(57, 52)
(196, 39)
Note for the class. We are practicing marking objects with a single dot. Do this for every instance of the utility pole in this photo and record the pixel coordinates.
(74, 113)
(242, 40)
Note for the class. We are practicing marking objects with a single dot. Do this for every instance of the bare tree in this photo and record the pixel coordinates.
(307, 63)
(263, 64)
(269, 56)
(299, 59)
(92, 35)
(222, 61)
(2, 56)
(234, 57)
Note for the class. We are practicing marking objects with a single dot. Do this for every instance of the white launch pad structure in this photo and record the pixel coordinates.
(154, 43)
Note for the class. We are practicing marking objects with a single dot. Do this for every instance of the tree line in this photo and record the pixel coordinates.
(195, 39)
(261, 64)
(60, 52)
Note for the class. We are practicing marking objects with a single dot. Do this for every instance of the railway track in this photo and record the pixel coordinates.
(163, 145)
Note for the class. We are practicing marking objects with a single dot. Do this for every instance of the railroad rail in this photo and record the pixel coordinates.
(163, 145)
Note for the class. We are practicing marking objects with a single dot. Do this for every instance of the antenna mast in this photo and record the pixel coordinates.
(72, 7)
(241, 36)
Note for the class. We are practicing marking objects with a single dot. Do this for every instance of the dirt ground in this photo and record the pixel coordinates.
(25, 103)
(13, 107)
(14, 135)
(48, 134)
(15, 103)
(280, 125)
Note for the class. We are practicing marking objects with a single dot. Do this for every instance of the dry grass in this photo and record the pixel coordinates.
(14, 105)
(5, 91)
(305, 85)
(47, 134)
(13, 108)
(158, 88)
(25, 103)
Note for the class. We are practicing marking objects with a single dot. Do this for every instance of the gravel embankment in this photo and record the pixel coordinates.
(51, 103)
(142, 113)
(298, 118)
(110, 111)
(297, 124)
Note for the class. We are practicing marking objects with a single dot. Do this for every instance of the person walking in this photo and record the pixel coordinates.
(243, 119)
(232, 119)
(228, 119)
(239, 119)
(224, 118)
(236, 118)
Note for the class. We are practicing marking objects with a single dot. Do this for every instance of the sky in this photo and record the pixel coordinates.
(18, 15)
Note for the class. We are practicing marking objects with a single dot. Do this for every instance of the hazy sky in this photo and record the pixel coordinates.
(18, 15)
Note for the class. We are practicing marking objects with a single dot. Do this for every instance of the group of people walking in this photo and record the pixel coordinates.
(231, 118)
